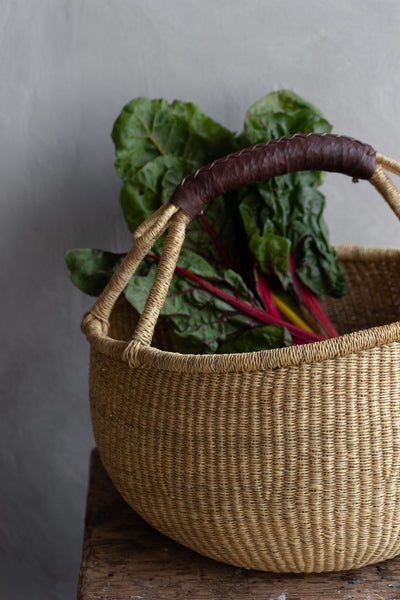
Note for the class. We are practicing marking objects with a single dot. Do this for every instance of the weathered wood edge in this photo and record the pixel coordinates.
(189, 575)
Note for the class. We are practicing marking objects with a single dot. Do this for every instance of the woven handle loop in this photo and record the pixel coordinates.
(177, 213)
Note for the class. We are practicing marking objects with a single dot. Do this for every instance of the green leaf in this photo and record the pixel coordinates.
(318, 268)
(91, 269)
(200, 320)
(216, 234)
(316, 260)
(283, 215)
(147, 129)
(269, 249)
(151, 186)
(272, 254)
(282, 113)
(157, 145)
(259, 338)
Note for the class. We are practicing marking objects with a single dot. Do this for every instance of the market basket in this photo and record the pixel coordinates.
(284, 460)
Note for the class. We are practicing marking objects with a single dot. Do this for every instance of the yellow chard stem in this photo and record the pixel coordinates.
(290, 314)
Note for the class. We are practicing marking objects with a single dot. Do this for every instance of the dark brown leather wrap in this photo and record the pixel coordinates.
(299, 152)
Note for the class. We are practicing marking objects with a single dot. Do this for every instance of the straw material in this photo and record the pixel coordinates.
(283, 460)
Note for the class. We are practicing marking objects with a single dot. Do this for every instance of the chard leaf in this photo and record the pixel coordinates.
(259, 338)
(316, 260)
(215, 234)
(274, 115)
(200, 320)
(318, 268)
(281, 113)
(147, 129)
(272, 253)
(91, 269)
(212, 235)
(157, 145)
(283, 215)
(151, 186)
(270, 249)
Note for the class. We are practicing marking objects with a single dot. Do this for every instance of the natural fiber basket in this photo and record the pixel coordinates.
(283, 460)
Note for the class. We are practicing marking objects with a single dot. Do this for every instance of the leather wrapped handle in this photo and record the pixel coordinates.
(299, 152)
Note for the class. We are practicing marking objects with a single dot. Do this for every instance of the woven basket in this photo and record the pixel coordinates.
(283, 460)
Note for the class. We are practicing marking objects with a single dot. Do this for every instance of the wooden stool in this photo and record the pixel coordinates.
(124, 558)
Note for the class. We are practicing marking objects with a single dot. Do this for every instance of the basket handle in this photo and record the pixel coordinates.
(295, 153)
(299, 152)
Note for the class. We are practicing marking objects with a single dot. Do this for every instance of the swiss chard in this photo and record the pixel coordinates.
(282, 217)
(284, 214)
(147, 129)
(222, 296)
(91, 269)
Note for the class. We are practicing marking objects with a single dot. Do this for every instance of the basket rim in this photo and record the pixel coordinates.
(264, 360)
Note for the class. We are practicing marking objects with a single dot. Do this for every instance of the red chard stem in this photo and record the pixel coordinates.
(297, 332)
(310, 301)
(216, 242)
(264, 295)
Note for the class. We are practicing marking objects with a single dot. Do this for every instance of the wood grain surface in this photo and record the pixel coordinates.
(126, 559)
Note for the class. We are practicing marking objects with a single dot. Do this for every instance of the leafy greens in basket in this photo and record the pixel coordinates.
(254, 262)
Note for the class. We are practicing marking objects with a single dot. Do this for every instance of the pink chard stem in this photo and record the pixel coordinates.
(264, 295)
(300, 334)
(216, 242)
(311, 303)
(267, 301)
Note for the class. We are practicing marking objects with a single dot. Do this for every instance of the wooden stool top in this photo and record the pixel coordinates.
(124, 558)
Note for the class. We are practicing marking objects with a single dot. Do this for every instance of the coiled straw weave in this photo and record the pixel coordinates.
(282, 460)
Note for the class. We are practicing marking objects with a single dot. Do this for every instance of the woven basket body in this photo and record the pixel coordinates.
(295, 469)
(283, 460)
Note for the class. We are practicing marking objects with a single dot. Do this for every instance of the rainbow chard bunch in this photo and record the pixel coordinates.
(254, 263)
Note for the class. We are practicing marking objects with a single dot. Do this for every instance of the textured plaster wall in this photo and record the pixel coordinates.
(67, 68)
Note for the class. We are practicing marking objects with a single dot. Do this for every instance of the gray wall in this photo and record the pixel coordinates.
(67, 68)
